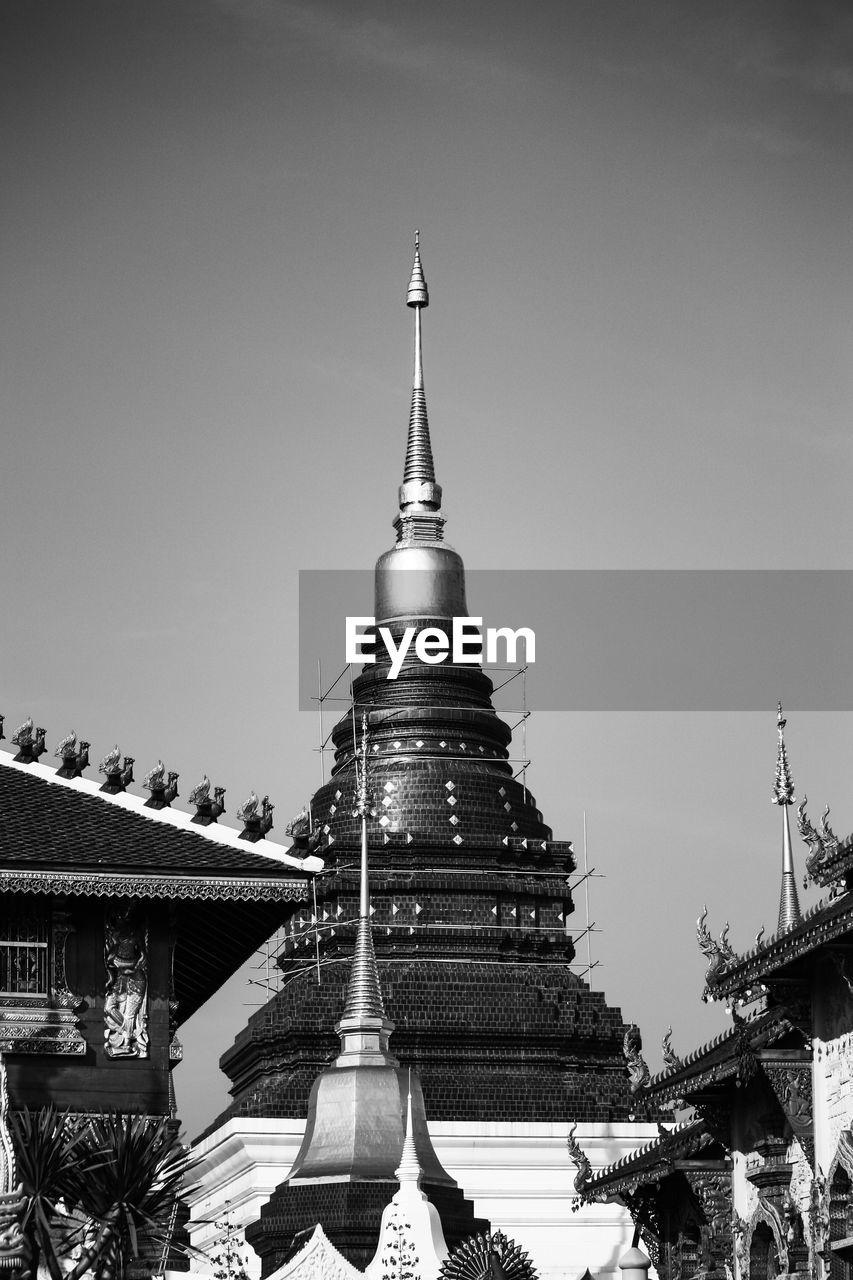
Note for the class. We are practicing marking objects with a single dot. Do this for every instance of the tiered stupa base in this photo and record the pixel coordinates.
(351, 1214)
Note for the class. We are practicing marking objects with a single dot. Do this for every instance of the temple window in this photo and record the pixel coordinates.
(24, 956)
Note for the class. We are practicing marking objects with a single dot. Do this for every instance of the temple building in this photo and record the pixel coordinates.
(756, 1179)
(471, 924)
(119, 917)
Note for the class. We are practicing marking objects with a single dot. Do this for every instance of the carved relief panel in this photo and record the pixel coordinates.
(126, 993)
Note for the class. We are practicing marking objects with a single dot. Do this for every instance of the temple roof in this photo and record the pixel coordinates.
(826, 921)
(65, 835)
(652, 1161)
(718, 1060)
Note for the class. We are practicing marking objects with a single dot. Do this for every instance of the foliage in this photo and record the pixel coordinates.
(98, 1188)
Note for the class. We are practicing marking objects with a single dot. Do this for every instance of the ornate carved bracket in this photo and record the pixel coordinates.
(61, 992)
(791, 1080)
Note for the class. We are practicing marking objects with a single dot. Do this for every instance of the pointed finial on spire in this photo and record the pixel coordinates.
(783, 788)
(783, 794)
(419, 492)
(409, 1168)
(417, 294)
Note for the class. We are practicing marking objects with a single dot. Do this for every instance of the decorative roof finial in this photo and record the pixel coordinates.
(783, 787)
(783, 794)
(419, 491)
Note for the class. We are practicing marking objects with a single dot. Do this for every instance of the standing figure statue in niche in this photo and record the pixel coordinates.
(125, 1010)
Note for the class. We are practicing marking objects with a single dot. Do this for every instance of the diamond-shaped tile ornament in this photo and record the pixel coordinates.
(442, 743)
(384, 820)
(389, 787)
(457, 839)
(338, 795)
(507, 805)
(451, 800)
(397, 744)
(326, 829)
(333, 808)
(513, 826)
(501, 792)
(462, 746)
(386, 800)
(453, 818)
(420, 742)
(450, 786)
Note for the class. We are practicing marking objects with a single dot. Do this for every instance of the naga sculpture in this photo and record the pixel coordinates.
(581, 1159)
(671, 1059)
(125, 1004)
(709, 947)
(823, 843)
(13, 1202)
(638, 1071)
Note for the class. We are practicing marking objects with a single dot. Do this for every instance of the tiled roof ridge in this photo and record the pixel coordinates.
(751, 1023)
(174, 818)
(800, 929)
(684, 1128)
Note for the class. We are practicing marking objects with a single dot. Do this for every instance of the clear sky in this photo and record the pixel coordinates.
(636, 227)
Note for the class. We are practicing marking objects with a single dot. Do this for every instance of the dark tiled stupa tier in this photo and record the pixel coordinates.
(472, 907)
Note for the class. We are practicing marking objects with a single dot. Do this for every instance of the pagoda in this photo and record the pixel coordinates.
(471, 909)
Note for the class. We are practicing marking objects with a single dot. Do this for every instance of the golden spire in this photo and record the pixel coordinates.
(783, 795)
(419, 490)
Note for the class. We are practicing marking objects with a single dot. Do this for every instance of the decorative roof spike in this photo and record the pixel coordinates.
(255, 824)
(783, 787)
(419, 491)
(207, 809)
(74, 759)
(119, 776)
(30, 742)
(783, 794)
(162, 785)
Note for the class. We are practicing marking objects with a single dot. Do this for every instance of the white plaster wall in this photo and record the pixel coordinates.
(518, 1175)
(833, 1063)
